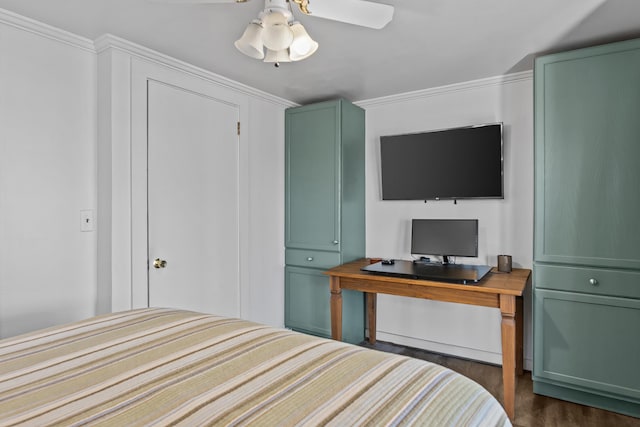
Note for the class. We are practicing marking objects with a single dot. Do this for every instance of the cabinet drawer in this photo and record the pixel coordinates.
(595, 281)
(311, 258)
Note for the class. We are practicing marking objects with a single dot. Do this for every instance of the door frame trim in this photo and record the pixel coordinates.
(141, 73)
(125, 242)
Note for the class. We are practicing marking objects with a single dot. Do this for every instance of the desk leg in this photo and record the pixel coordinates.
(336, 308)
(372, 302)
(509, 345)
(519, 337)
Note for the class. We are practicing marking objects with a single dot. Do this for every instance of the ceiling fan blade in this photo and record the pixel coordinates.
(357, 12)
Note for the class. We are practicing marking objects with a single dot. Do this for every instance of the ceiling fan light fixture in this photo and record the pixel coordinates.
(277, 35)
(251, 41)
(302, 46)
(275, 30)
(277, 56)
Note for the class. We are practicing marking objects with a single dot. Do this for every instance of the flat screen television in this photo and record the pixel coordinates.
(444, 237)
(457, 163)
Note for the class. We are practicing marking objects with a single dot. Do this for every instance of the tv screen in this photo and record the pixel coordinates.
(444, 237)
(458, 163)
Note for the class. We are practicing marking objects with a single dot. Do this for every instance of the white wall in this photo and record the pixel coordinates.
(505, 226)
(47, 176)
(266, 214)
(49, 157)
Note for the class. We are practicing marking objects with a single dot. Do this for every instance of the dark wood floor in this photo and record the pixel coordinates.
(532, 410)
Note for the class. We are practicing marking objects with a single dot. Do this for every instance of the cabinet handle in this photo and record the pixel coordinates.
(310, 258)
(594, 282)
(335, 242)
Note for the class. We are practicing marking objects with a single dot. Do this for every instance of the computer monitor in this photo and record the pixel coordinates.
(444, 237)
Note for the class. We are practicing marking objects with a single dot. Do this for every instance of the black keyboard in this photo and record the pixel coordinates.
(457, 273)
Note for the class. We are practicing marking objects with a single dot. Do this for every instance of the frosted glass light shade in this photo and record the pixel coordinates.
(302, 46)
(277, 56)
(276, 35)
(251, 41)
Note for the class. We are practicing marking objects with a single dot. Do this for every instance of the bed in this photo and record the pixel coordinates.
(173, 367)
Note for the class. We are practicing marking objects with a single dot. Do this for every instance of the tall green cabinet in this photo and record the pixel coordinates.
(324, 213)
(587, 227)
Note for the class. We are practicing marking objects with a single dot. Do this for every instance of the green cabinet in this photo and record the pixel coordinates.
(587, 226)
(324, 212)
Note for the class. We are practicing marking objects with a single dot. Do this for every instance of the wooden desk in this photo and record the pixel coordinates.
(498, 290)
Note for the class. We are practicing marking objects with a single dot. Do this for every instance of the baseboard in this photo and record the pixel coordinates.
(449, 349)
(585, 398)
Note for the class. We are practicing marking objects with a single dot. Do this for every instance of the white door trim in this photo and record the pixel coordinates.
(127, 137)
(141, 73)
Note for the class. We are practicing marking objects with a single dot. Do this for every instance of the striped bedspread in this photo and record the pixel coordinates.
(173, 367)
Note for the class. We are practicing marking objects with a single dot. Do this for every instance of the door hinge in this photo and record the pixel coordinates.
(238, 128)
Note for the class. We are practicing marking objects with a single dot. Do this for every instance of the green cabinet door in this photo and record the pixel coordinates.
(307, 305)
(591, 343)
(587, 154)
(324, 213)
(312, 177)
(307, 301)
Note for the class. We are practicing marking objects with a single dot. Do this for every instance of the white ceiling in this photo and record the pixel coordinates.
(429, 43)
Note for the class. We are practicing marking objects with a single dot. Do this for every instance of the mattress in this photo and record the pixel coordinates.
(173, 367)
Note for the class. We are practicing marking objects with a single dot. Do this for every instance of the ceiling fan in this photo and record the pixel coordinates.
(284, 39)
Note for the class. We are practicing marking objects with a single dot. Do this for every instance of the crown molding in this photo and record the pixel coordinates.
(457, 87)
(44, 30)
(109, 41)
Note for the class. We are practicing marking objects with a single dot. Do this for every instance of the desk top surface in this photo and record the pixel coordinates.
(494, 282)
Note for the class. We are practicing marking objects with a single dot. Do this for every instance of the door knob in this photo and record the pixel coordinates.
(159, 263)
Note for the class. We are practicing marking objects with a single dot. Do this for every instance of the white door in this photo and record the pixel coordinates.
(192, 201)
